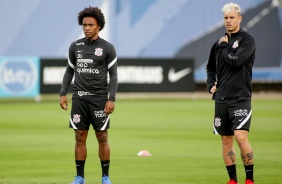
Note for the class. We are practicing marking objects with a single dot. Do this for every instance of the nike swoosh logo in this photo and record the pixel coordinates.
(80, 43)
(176, 76)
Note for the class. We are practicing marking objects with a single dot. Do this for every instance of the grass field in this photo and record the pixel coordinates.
(37, 145)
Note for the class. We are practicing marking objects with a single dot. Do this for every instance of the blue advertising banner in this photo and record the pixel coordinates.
(19, 76)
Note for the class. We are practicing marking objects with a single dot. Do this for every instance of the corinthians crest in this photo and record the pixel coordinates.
(217, 122)
(76, 118)
(98, 51)
(235, 44)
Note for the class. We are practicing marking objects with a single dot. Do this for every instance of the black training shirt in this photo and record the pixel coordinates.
(91, 62)
(230, 65)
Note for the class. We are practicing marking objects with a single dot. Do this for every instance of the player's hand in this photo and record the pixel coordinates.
(223, 39)
(109, 107)
(64, 102)
(213, 89)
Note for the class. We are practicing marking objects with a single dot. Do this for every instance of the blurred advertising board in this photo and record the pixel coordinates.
(52, 72)
(19, 76)
(155, 75)
(134, 75)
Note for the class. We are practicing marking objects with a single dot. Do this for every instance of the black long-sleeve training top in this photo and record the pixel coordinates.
(91, 62)
(230, 65)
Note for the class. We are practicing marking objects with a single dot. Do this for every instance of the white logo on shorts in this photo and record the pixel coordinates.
(76, 118)
(100, 114)
(217, 122)
(241, 112)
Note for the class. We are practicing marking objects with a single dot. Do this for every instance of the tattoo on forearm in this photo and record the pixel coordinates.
(231, 154)
(248, 159)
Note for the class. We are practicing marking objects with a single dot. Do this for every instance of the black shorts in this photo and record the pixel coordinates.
(230, 116)
(86, 111)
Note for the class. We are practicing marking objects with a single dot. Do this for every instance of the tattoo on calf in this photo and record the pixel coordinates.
(243, 157)
(231, 154)
(248, 159)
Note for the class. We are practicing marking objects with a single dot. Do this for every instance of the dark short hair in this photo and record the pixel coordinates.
(94, 12)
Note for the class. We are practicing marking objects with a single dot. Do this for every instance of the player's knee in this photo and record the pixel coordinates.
(227, 140)
(102, 137)
(80, 136)
(242, 142)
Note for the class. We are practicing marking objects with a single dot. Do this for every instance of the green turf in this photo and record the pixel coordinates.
(37, 145)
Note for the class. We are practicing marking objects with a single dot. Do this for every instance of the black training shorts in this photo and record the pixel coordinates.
(89, 110)
(232, 115)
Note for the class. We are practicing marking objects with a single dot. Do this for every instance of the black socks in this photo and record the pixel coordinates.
(80, 167)
(231, 169)
(105, 167)
(249, 169)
